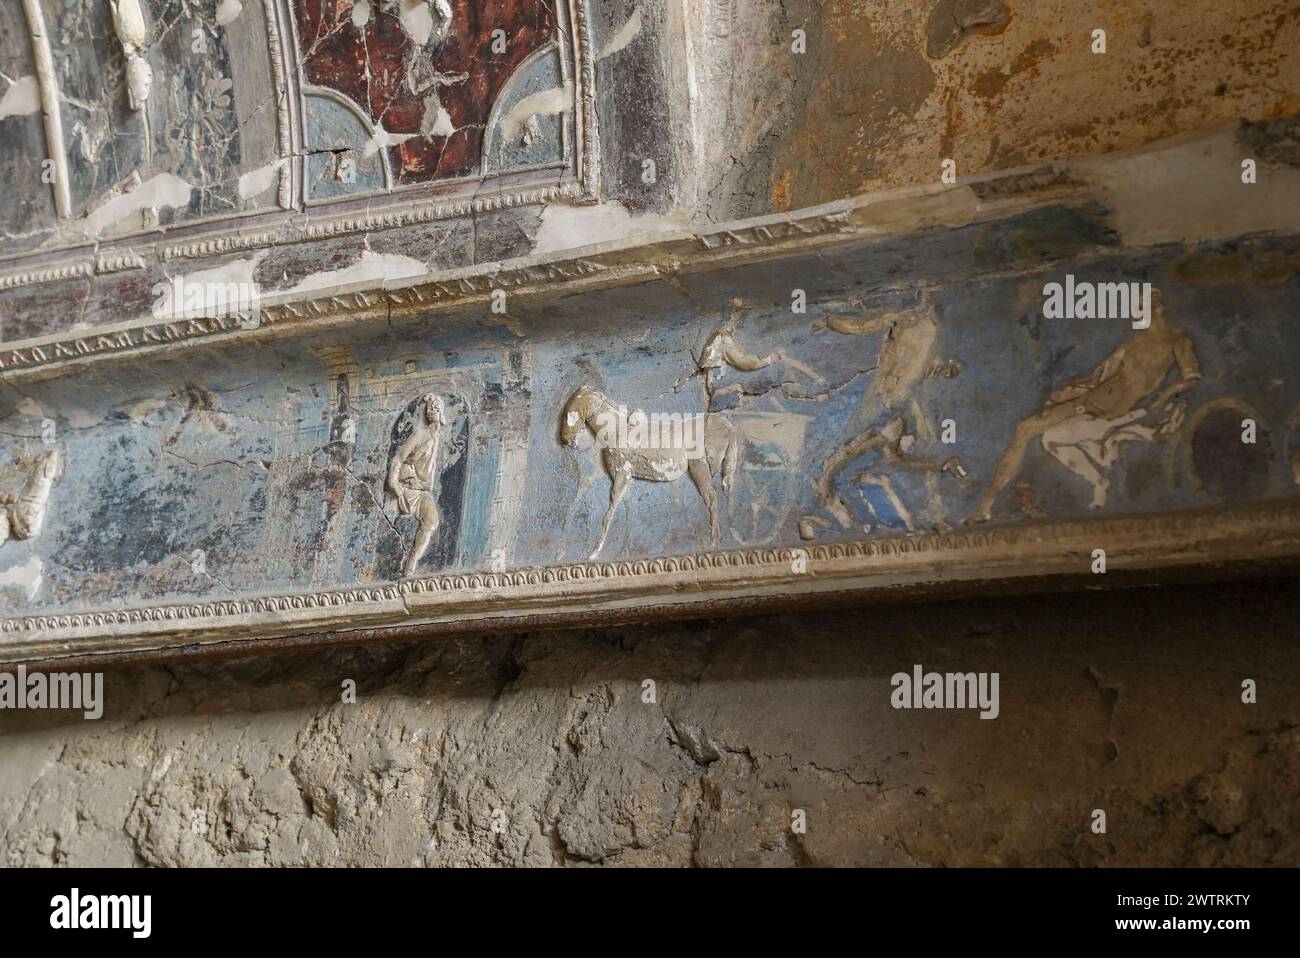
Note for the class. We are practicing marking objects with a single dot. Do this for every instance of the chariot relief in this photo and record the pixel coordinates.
(591, 411)
(753, 451)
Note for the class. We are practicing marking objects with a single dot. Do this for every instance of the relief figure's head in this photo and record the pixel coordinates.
(1157, 309)
(434, 411)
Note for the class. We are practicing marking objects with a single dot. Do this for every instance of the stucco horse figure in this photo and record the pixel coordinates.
(591, 410)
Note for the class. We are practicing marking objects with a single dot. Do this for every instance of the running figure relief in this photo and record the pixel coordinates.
(889, 417)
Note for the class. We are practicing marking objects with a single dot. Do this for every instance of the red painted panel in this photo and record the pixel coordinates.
(389, 76)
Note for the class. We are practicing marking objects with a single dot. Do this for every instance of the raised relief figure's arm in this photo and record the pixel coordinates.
(860, 325)
(745, 362)
(395, 468)
(1189, 372)
(1077, 387)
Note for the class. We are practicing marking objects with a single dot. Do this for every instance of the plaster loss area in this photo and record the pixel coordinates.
(540, 748)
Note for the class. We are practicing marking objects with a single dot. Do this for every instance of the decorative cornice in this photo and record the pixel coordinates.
(117, 340)
(50, 274)
(1024, 550)
(407, 212)
(861, 219)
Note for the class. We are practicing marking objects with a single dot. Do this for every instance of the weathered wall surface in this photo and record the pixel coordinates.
(885, 91)
(735, 123)
(1126, 701)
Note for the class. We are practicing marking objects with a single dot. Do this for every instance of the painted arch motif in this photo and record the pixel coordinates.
(429, 83)
(202, 112)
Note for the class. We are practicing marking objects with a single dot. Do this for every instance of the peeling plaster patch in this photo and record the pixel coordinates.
(259, 180)
(1243, 265)
(626, 34)
(237, 273)
(22, 98)
(546, 103)
(361, 14)
(417, 20)
(145, 408)
(567, 227)
(25, 578)
(370, 268)
(1273, 141)
(952, 21)
(441, 124)
(1158, 196)
(162, 190)
(78, 418)
(30, 407)
(228, 11)
(510, 323)
(383, 139)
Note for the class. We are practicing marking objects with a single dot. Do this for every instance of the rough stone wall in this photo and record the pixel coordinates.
(1127, 701)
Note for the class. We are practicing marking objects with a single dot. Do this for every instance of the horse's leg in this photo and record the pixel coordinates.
(703, 479)
(585, 482)
(722, 449)
(731, 461)
(619, 480)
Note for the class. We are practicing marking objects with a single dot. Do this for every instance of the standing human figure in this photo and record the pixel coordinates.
(411, 477)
